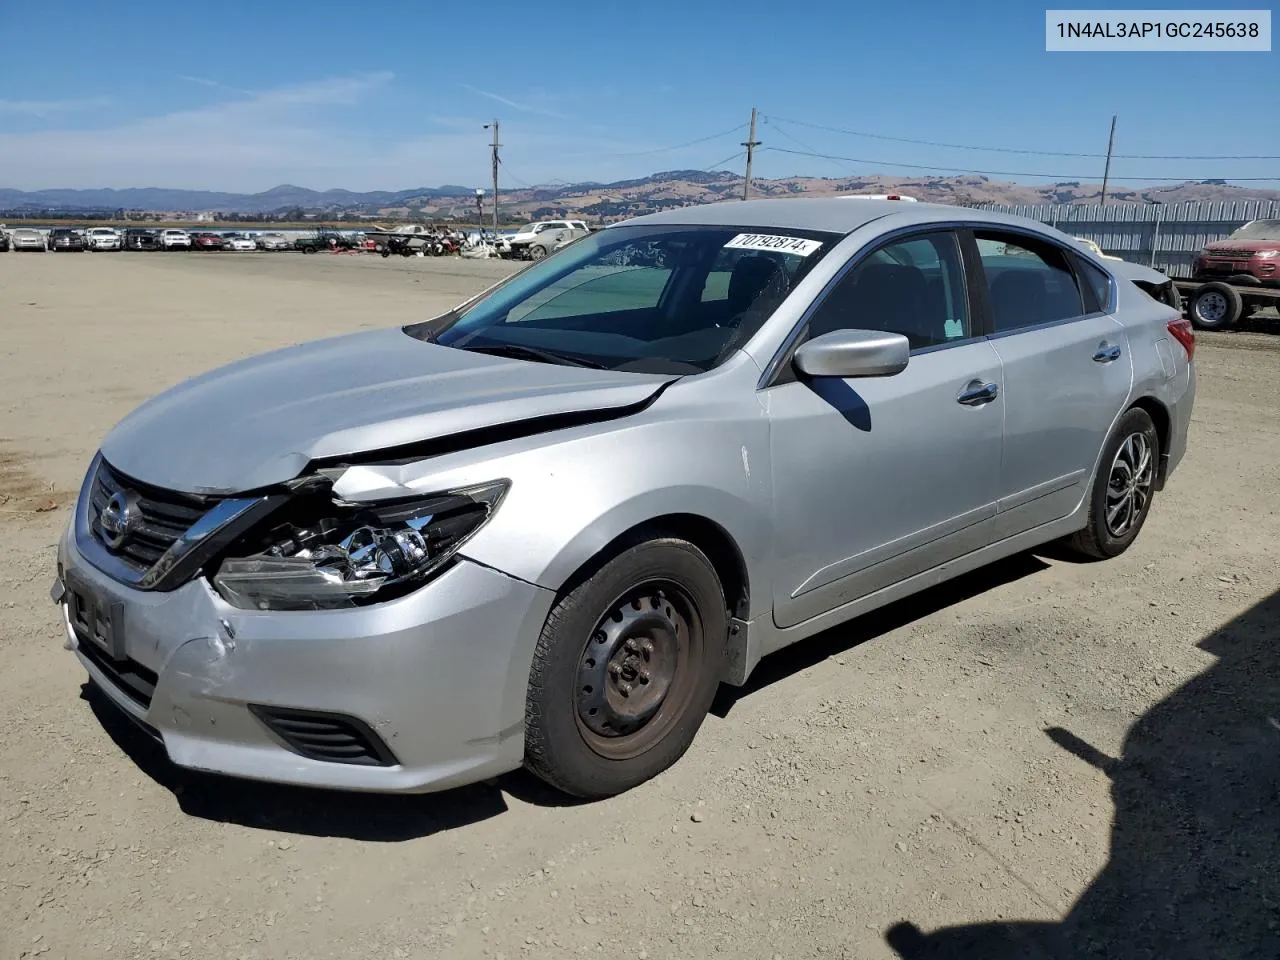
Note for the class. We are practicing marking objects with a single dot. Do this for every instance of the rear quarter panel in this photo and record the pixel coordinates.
(1161, 369)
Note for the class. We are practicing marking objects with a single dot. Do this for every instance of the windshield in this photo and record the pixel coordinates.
(1258, 230)
(654, 299)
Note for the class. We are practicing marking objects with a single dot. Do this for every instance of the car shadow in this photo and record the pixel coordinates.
(1194, 870)
(374, 817)
(800, 656)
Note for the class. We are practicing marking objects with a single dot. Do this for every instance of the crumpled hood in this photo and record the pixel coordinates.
(260, 421)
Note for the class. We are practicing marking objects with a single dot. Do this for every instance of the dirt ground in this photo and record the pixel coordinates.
(1042, 759)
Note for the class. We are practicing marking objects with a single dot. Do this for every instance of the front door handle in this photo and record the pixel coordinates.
(1106, 354)
(978, 392)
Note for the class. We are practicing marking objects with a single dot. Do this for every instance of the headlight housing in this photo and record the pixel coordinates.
(325, 554)
(1266, 254)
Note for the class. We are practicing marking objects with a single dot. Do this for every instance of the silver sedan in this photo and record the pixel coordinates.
(543, 528)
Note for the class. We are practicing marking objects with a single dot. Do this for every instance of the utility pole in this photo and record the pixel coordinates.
(496, 145)
(751, 145)
(1106, 173)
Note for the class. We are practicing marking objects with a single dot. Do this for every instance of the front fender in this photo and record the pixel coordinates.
(574, 490)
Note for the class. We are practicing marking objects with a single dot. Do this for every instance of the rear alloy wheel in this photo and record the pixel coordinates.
(1122, 490)
(625, 670)
(1215, 306)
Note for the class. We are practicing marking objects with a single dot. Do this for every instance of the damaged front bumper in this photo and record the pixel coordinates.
(412, 695)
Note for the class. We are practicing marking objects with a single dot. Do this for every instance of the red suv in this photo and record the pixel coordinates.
(1251, 255)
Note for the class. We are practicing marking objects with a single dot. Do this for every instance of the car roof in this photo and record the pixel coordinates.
(837, 214)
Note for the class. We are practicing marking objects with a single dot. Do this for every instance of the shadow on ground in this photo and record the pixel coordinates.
(387, 818)
(1194, 871)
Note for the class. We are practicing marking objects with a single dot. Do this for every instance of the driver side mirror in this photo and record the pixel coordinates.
(853, 353)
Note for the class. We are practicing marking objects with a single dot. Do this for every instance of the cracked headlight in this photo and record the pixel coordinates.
(327, 554)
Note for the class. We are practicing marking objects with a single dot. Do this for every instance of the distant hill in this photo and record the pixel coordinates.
(600, 201)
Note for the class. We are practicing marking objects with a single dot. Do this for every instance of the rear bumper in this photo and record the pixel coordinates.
(438, 677)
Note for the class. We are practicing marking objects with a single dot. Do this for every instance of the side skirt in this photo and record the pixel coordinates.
(749, 641)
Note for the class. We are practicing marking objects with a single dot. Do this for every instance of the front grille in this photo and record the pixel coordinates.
(1231, 254)
(330, 737)
(132, 679)
(165, 516)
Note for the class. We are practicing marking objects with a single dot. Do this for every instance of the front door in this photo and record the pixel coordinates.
(878, 479)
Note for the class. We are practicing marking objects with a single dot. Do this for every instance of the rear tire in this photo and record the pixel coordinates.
(1215, 306)
(1120, 499)
(625, 669)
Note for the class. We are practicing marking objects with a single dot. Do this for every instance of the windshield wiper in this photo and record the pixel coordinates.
(521, 352)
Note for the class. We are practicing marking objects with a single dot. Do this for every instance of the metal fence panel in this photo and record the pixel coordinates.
(1165, 236)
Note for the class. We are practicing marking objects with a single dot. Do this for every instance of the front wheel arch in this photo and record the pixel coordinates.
(705, 534)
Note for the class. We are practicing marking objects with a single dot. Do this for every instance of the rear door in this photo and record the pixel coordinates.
(1066, 370)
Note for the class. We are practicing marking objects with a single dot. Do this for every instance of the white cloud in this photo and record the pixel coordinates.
(44, 108)
(297, 134)
(205, 82)
(515, 104)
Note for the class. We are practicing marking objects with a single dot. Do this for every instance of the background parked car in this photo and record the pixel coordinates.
(24, 238)
(240, 243)
(1249, 257)
(66, 239)
(324, 240)
(103, 238)
(4, 242)
(139, 239)
(208, 241)
(273, 242)
(1095, 249)
(539, 239)
(173, 239)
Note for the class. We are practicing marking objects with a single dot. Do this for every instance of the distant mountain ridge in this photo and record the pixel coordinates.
(282, 197)
(602, 201)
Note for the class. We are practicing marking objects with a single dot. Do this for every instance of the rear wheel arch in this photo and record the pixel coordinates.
(1159, 414)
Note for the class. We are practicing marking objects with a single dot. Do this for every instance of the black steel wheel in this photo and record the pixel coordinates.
(625, 669)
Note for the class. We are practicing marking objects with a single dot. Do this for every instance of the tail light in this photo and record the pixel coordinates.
(1183, 332)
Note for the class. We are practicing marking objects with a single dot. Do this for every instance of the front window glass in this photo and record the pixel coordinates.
(913, 286)
(645, 299)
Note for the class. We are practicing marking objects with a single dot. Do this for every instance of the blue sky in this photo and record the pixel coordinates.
(242, 96)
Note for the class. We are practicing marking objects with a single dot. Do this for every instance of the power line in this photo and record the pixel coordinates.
(1019, 150)
(796, 140)
(678, 146)
(721, 163)
(1004, 173)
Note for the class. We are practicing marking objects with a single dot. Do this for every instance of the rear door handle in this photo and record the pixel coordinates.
(978, 392)
(1106, 354)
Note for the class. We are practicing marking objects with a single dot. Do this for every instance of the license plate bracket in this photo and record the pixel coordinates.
(96, 618)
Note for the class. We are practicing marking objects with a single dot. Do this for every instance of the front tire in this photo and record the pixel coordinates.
(537, 253)
(1120, 499)
(625, 669)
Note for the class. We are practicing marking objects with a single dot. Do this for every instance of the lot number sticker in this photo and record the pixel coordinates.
(764, 241)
